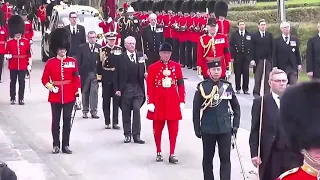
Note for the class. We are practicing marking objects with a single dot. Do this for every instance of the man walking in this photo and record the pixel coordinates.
(106, 69)
(130, 86)
(165, 78)
(78, 34)
(88, 55)
(313, 56)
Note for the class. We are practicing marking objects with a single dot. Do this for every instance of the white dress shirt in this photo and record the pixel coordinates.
(243, 32)
(134, 56)
(262, 33)
(153, 28)
(276, 99)
(284, 38)
(75, 28)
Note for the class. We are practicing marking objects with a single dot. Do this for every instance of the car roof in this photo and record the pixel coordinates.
(64, 10)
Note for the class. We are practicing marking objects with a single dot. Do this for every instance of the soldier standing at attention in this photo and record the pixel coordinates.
(165, 78)
(212, 100)
(61, 78)
(106, 67)
(19, 55)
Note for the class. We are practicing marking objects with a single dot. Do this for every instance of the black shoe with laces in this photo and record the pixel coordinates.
(159, 157)
(21, 102)
(55, 150)
(173, 159)
(12, 102)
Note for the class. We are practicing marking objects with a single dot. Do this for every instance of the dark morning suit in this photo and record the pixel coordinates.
(76, 39)
(313, 56)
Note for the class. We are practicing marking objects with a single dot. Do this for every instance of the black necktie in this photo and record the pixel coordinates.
(242, 33)
(74, 30)
(92, 47)
(263, 35)
(286, 39)
(132, 58)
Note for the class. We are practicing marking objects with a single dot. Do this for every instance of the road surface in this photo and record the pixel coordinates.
(98, 153)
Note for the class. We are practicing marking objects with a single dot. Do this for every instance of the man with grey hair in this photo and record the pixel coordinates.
(152, 36)
(276, 155)
(286, 53)
(129, 84)
(313, 56)
(88, 54)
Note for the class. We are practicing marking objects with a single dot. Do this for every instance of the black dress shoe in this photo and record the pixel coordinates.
(115, 126)
(246, 92)
(173, 159)
(238, 92)
(138, 140)
(127, 139)
(159, 157)
(66, 150)
(21, 102)
(85, 116)
(94, 116)
(107, 126)
(55, 150)
(12, 102)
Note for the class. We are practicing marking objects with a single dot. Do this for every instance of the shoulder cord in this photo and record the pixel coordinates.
(208, 98)
(208, 46)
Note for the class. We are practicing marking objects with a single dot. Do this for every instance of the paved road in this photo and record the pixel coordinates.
(100, 154)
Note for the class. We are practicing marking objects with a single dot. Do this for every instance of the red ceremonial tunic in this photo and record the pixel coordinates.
(3, 39)
(28, 34)
(165, 99)
(7, 10)
(20, 52)
(42, 15)
(63, 74)
(223, 26)
(301, 173)
(210, 47)
(167, 29)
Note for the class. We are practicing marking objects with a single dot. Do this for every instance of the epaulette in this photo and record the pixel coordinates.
(283, 175)
(225, 81)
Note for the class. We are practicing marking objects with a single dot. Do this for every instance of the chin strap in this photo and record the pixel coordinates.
(309, 157)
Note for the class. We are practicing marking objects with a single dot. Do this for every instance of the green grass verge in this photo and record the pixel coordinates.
(288, 2)
(302, 76)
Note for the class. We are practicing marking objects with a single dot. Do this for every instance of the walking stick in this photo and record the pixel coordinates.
(144, 62)
(238, 153)
(261, 111)
(30, 81)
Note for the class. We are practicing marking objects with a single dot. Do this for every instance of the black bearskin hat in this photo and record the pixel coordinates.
(16, 25)
(299, 115)
(189, 5)
(60, 39)
(142, 5)
(177, 5)
(202, 6)
(155, 6)
(221, 9)
(1, 18)
(148, 5)
(210, 6)
(161, 6)
(45, 2)
(168, 5)
(184, 7)
(195, 6)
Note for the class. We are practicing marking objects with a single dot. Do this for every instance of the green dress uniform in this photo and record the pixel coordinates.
(212, 122)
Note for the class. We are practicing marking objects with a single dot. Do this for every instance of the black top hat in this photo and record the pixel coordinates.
(212, 22)
(165, 47)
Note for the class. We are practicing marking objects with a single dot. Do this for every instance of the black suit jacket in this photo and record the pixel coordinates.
(286, 56)
(152, 39)
(262, 46)
(272, 135)
(121, 75)
(236, 44)
(87, 60)
(313, 56)
(76, 40)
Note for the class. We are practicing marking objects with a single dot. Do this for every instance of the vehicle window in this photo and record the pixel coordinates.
(90, 23)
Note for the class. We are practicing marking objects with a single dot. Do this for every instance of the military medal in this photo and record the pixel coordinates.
(166, 82)
(216, 97)
(166, 72)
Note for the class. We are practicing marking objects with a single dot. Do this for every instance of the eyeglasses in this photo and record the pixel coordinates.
(280, 80)
(73, 17)
(92, 37)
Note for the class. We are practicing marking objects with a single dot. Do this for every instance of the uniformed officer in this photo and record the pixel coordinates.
(7, 9)
(299, 114)
(211, 108)
(61, 78)
(221, 11)
(241, 52)
(28, 33)
(3, 39)
(19, 56)
(152, 36)
(109, 55)
(313, 56)
(42, 15)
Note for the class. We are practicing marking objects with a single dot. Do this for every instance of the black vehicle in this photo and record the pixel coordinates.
(88, 17)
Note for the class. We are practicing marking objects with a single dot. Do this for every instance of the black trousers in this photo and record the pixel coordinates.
(194, 54)
(189, 57)
(20, 75)
(66, 109)
(131, 100)
(43, 27)
(1, 65)
(182, 57)
(153, 56)
(241, 67)
(176, 50)
(107, 94)
(224, 146)
(258, 77)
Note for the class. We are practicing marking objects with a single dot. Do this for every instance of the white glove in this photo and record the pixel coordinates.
(252, 63)
(31, 41)
(8, 56)
(55, 89)
(78, 103)
(29, 68)
(109, 20)
(182, 106)
(228, 73)
(151, 107)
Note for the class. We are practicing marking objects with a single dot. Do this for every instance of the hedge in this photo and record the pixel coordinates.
(270, 7)
(303, 31)
(306, 14)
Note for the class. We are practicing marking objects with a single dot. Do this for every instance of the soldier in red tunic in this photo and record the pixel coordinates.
(19, 56)
(61, 78)
(166, 99)
(168, 6)
(3, 39)
(42, 15)
(7, 10)
(299, 114)
(213, 45)
(221, 11)
(110, 25)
